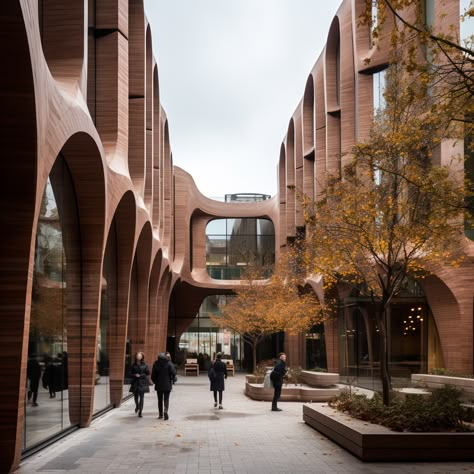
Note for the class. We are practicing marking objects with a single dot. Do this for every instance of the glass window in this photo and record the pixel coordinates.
(107, 313)
(379, 83)
(203, 339)
(54, 297)
(467, 24)
(243, 241)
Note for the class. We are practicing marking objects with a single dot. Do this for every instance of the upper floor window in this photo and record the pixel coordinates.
(379, 84)
(466, 27)
(233, 244)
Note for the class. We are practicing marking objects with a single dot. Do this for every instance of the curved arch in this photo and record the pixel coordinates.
(167, 188)
(136, 94)
(153, 325)
(308, 137)
(138, 311)
(333, 73)
(149, 123)
(84, 161)
(299, 180)
(62, 36)
(124, 221)
(163, 306)
(333, 99)
(449, 321)
(157, 134)
(320, 127)
(290, 180)
(17, 194)
(282, 194)
(308, 116)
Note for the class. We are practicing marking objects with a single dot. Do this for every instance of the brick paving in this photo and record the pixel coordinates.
(244, 437)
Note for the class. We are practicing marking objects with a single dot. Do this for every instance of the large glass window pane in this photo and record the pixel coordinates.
(245, 240)
(203, 339)
(466, 26)
(57, 264)
(107, 311)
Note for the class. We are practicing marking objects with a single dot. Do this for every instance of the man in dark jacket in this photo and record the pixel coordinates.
(278, 372)
(217, 373)
(162, 375)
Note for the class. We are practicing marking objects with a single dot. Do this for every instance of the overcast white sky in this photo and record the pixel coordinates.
(231, 75)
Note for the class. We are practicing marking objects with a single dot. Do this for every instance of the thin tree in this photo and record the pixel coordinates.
(264, 306)
(396, 213)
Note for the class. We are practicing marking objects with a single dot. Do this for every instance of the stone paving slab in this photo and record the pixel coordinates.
(246, 437)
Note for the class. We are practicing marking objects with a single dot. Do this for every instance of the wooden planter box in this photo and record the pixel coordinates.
(371, 442)
(319, 379)
(291, 393)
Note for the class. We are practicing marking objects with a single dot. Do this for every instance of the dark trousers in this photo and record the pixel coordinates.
(276, 395)
(139, 396)
(34, 385)
(163, 397)
(220, 396)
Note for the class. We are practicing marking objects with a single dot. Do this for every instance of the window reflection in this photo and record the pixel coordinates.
(203, 339)
(231, 244)
(107, 312)
(56, 265)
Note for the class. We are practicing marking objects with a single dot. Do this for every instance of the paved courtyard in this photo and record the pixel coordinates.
(245, 437)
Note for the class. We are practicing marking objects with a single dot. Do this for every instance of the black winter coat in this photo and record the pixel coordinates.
(278, 373)
(220, 373)
(163, 374)
(141, 383)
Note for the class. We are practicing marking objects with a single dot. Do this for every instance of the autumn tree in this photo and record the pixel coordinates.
(395, 212)
(434, 47)
(263, 306)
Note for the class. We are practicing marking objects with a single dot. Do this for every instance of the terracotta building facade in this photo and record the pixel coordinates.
(106, 244)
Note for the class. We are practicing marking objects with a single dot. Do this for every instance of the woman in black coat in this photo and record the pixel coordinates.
(217, 373)
(140, 385)
(163, 374)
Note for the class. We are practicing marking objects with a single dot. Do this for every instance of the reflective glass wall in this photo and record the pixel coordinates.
(232, 243)
(55, 296)
(204, 339)
(413, 342)
(108, 306)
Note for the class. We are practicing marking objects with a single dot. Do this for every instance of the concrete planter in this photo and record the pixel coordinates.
(319, 379)
(291, 393)
(439, 381)
(371, 442)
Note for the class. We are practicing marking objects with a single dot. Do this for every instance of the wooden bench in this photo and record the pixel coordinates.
(191, 366)
(229, 363)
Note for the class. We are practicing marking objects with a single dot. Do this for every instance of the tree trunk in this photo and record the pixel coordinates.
(384, 369)
(254, 355)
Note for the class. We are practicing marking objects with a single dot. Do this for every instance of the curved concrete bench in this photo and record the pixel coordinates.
(319, 379)
(439, 381)
(291, 393)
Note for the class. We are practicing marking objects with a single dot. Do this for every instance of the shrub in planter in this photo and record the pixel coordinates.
(442, 412)
(448, 373)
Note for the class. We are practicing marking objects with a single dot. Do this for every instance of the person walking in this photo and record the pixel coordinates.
(140, 385)
(217, 373)
(162, 375)
(33, 372)
(278, 372)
